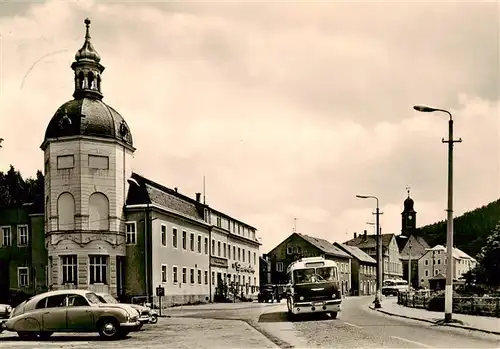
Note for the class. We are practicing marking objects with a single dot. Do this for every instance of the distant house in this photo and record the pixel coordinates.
(392, 267)
(412, 248)
(433, 264)
(363, 271)
(300, 245)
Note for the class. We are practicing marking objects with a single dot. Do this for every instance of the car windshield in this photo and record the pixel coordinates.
(107, 298)
(314, 275)
(92, 298)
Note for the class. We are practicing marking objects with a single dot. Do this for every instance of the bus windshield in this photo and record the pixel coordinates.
(314, 275)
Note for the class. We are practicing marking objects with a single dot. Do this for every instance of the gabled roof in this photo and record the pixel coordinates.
(418, 247)
(369, 241)
(457, 253)
(356, 253)
(325, 246)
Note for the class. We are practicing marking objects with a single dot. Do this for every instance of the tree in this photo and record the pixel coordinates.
(15, 191)
(487, 270)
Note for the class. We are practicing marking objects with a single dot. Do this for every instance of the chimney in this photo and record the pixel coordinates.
(198, 197)
(175, 189)
(365, 233)
(355, 235)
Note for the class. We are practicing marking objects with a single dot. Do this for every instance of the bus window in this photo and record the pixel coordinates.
(314, 275)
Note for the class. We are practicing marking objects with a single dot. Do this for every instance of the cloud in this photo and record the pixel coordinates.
(288, 110)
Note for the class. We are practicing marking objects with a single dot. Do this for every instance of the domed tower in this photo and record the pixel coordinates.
(88, 153)
(408, 224)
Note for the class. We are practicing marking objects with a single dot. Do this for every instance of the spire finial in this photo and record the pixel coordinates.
(87, 24)
(408, 190)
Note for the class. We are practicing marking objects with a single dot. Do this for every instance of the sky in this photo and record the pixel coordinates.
(289, 109)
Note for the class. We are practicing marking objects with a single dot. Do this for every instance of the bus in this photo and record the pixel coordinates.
(313, 287)
(391, 287)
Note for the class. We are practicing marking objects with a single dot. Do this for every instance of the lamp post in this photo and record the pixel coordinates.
(378, 296)
(448, 304)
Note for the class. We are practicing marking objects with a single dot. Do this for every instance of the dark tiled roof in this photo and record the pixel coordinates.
(325, 246)
(356, 253)
(369, 241)
(172, 202)
(418, 247)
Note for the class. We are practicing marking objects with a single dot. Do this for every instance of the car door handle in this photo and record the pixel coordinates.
(47, 312)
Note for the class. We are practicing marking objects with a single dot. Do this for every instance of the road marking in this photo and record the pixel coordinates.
(353, 325)
(413, 342)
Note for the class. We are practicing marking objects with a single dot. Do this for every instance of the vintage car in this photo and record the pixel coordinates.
(5, 310)
(71, 311)
(146, 314)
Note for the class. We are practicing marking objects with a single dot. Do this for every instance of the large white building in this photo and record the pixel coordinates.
(434, 263)
(110, 230)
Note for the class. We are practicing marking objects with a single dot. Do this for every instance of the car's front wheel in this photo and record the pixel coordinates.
(154, 319)
(109, 328)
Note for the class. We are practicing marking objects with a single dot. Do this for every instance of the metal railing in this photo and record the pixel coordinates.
(483, 306)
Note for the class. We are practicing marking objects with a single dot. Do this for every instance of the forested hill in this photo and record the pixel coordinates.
(471, 229)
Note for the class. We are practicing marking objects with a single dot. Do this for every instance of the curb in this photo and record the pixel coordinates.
(434, 322)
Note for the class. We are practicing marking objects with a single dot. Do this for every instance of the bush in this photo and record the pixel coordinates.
(436, 302)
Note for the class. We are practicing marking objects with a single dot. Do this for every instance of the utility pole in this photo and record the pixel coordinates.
(448, 300)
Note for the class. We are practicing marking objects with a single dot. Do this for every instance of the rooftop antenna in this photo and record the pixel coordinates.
(295, 225)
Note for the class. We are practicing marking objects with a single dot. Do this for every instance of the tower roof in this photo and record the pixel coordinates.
(87, 114)
(408, 203)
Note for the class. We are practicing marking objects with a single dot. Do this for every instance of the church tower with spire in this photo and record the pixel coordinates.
(408, 216)
(88, 151)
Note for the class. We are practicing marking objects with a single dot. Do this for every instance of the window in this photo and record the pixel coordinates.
(23, 277)
(98, 212)
(206, 245)
(234, 252)
(130, 233)
(163, 273)
(174, 274)
(77, 301)
(224, 250)
(426, 262)
(184, 276)
(199, 276)
(228, 251)
(174, 237)
(234, 226)
(218, 248)
(184, 238)
(191, 276)
(243, 254)
(98, 269)
(249, 260)
(254, 258)
(212, 252)
(6, 236)
(199, 243)
(213, 278)
(98, 162)
(69, 269)
(218, 221)
(279, 266)
(206, 277)
(163, 235)
(65, 162)
(22, 235)
(191, 242)
(239, 254)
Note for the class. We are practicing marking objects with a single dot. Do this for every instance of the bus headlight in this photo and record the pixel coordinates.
(334, 296)
(301, 298)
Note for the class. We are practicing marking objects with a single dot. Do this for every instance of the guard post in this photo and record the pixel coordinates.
(160, 292)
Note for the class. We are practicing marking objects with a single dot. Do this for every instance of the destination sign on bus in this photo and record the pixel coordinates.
(315, 264)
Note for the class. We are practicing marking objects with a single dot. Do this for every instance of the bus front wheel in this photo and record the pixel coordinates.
(333, 314)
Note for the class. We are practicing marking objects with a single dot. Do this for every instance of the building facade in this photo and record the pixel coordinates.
(301, 245)
(434, 264)
(392, 267)
(23, 257)
(264, 270)
(104, 228)
(363, 271)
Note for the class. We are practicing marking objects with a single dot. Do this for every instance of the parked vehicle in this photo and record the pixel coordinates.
(267, 293)
(313, 287)
(391, 287)
(5, 311)
(71, 311)
(146, 314)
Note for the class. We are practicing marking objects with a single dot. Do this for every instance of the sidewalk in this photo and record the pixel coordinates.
(485, 324)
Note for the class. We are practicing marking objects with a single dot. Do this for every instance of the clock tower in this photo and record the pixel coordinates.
(408, 216)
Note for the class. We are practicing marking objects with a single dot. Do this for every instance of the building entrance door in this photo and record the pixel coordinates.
(4, 281)
(120, 276)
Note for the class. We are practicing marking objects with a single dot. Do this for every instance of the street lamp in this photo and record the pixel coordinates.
(378, 296)
(448, 304)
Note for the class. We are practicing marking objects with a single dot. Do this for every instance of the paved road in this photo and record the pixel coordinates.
(246, 325)
(356, 327)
